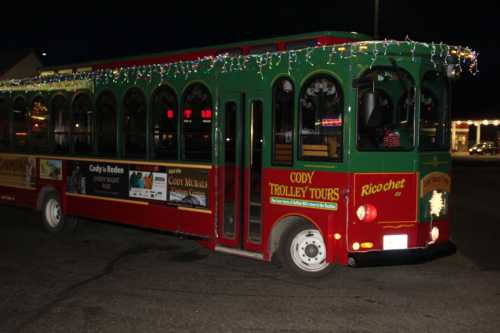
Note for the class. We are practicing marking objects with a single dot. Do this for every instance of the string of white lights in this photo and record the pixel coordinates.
(439, 54)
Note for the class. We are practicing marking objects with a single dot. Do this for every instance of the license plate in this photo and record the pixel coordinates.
(395, 242)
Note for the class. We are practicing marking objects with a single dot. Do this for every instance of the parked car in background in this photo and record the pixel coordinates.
(487, 147)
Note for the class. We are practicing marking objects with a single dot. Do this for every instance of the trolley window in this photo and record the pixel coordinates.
(197, 123)
(386, 109)
(83, 124)
(20, 124)
(4, 124)
(283, 96)
(106, 124)
(39, 125)
(60, 123)
(134, 123)
(165, 120)
(321, 119)
(434, 112)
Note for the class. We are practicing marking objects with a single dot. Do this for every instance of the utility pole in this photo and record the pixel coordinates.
(375, 20)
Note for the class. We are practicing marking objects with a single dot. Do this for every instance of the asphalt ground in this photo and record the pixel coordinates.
(110, 278)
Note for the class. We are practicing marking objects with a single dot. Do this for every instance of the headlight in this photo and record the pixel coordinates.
(434, 234)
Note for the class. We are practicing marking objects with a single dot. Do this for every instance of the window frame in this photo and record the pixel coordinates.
(115, 151)
(395, 104)
(273, 121)
(186, 91)
(33, 144)
(331, 76)
(52, 120)
(126, 132)
(177, 122)
(8, 108)
(445, 114)
(27, 124)
(92, 131)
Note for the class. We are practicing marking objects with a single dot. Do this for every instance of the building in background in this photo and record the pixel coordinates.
(18, 64)
(467, 132)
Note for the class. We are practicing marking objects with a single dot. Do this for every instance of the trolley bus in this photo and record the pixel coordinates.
(316, 149)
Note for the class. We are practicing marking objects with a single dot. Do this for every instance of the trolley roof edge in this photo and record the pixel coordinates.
(343, 46)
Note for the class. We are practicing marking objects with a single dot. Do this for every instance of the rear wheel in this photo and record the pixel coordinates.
(303, 251)
(53, 218)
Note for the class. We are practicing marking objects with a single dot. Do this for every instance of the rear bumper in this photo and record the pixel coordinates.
(399, 257)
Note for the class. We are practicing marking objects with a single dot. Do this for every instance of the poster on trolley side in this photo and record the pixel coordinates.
(148, 182)
(98, 178)
(17, 171)
(188, 187)
(179, 186)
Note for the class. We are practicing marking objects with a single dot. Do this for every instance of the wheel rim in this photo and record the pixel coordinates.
(53, 213)
(308, 251)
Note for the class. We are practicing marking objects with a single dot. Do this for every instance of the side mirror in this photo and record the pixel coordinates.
(453, 72)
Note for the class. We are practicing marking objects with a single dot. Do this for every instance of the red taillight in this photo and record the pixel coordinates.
(366, 213)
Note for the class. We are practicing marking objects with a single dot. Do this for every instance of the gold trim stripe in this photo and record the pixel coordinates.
(19, 187)
(97, 160)
(386, 222)
(398, 226)
(143, 203)
(196, 210)
(319, 166)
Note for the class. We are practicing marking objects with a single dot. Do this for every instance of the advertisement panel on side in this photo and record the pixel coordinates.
(17, 171)
(188, 186)
(179, 186)
(97, 178)
(148, 182)
(50, 169)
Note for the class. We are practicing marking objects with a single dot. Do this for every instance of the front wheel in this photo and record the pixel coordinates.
(52, 215)
(303, 251)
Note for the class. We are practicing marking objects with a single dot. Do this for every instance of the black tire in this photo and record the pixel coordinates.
(52, 215)
(303, 251)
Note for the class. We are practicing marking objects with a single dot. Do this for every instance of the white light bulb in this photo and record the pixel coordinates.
(437, 203)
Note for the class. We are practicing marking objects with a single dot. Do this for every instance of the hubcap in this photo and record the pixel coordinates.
(53, 213)
(311, 251)
(308, 251)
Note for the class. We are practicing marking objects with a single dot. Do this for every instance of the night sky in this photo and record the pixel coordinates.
(86, 32)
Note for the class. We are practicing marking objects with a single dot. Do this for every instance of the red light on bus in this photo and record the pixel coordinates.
(367, 213)
(170, 114)
(206, 114)
(331, 122)
(188, 113)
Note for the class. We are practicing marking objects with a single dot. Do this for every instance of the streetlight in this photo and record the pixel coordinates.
(375, 19)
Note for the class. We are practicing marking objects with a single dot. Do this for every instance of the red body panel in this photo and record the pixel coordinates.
(288, 192)
(18, 196)
(327, 199)
(138, 212)
(395, 196)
